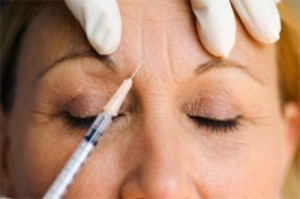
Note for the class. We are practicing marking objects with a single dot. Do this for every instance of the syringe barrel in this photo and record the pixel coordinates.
(64, 179)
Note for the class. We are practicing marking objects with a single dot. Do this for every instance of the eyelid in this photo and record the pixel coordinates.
(85, 105)
(213, 107)
(84, 109)
(215, 125)
(83, 122)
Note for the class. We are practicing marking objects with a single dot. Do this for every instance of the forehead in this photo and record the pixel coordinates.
(162, 33)
(153, 29)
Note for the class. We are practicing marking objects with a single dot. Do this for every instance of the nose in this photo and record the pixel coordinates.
(163, 172)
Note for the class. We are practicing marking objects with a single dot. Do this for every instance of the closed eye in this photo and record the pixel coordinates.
(215, 125)
(82, 122)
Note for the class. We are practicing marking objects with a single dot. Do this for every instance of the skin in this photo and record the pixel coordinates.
(153, 149)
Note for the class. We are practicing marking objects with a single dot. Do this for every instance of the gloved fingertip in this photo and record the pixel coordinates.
(217, 49)
(105, 43)
(105, 50)
(216, 26)
(217, 43)
(101, 21)
(261, 19)
(272, 38)
(267, 36)
(222, 53)
(225, 54)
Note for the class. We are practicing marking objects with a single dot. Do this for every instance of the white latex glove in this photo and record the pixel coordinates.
(216, 23)
(101, 21)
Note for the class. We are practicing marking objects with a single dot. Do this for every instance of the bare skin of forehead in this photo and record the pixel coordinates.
(162, 33)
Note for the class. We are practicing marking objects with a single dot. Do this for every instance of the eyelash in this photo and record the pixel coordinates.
(217, 126)
(82, 122)
(78, 122)
(210, 124)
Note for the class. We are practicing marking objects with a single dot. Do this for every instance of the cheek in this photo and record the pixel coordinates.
(251, 168)
(106, 169)
(40, 156)
(41, 151)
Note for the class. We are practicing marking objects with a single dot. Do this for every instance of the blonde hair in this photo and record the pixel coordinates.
(16, 15)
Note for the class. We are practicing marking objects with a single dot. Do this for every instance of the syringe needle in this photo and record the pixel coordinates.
(137, 69)
(115, 102)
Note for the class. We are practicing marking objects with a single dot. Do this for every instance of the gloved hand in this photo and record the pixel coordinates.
(101, 21)
(215, 22)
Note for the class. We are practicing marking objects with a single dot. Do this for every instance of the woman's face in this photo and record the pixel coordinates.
(192, 125)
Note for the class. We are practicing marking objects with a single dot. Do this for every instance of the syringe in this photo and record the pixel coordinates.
(101, 123)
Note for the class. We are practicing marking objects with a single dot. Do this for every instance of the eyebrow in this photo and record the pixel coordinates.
(105, 59)
(200, 69)
(216, 64)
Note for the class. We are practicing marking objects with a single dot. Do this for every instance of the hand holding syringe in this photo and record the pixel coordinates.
(90, 140)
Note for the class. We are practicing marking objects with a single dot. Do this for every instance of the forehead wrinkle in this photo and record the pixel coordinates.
(155, 11)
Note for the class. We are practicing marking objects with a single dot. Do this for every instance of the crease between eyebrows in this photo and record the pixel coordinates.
(216, 64)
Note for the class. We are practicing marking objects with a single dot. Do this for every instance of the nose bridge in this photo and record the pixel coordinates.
(161, 135)
(162, 173)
